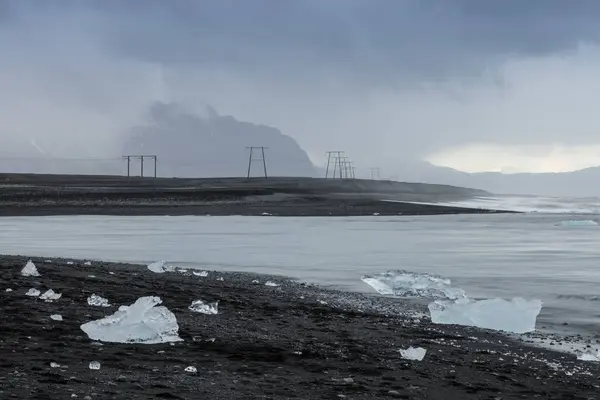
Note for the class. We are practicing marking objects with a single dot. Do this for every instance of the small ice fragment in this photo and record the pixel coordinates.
(220, 278)
(70, 263)
(94, 365)
(30, 269)
(111, 273)
(54, 365)
(413, 353)
(91, 276)
(191, 369)
(9, 290)
(182, 271)
(269, 283)
(322, 302)
(265, 213)
(50, 295)
(205, 308)
(97, 301)
(590, 356)
(256, 282)
(87, 263)
(410, 284)
(33, 293)
(201, 274)
(517, 315)
(375, 214)
(56, 317)
(157, 267)
(142, 322)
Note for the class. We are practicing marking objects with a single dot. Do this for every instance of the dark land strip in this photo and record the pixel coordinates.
(285, 342)
(40, 195)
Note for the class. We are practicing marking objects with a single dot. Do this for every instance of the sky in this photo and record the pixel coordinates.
(497, 85)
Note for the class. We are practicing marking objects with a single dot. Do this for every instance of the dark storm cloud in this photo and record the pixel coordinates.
(383, 78)
(389, 37)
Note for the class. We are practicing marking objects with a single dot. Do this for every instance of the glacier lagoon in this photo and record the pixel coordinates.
(534, 256)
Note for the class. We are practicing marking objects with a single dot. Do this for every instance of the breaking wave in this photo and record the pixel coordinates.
(532, 204)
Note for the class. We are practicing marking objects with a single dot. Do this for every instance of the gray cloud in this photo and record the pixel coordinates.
(382, 78)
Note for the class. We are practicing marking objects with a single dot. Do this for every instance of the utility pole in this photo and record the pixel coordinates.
(140, 157)
(330, 157)
(375, 172)
(263, 159)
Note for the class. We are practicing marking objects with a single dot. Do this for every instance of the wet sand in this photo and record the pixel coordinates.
(284, 342)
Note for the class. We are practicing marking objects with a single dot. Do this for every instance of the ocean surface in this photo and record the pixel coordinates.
(551, 253)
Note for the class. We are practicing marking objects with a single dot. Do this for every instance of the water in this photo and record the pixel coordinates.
(529, 255)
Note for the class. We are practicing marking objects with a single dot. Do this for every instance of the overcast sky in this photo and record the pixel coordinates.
(472, 84)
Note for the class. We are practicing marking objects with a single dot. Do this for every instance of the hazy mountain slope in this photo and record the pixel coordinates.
(189, 145)
(579, 183)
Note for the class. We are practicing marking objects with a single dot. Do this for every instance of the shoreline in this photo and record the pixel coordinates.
(289, 341)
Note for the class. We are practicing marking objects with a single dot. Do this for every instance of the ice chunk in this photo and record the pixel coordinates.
(201, 274)
(269, 283)
(87, 263)
(220, 279)
(9, 290)
(33, 292)
(142, 322)
(56, 317)
(97, 301)
(408, 284)
(94, 365)
(182, 271)
(157, 267)
(590, 356)
(517, 315)
(191, 369)
(54, 365)
(205, 308)
(30, 269)
(70, 263)
(413, 353)
(50, 296)
(576, 223)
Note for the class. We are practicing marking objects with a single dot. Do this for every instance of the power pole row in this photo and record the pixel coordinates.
(343, 168)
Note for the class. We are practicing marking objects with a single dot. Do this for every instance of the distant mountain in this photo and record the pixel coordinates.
(190, 145)
(582, 183)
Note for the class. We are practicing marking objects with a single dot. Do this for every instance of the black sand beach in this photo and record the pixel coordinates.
(285, 342)
(38, 195)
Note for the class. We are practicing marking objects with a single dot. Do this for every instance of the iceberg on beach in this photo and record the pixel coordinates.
(201, 307)
(157, 267)
(30, 269)
(409, 284)
(50, 295)
(413, 353)
(143, 322)
(590, 356)
(97, 301)
(517, 315)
